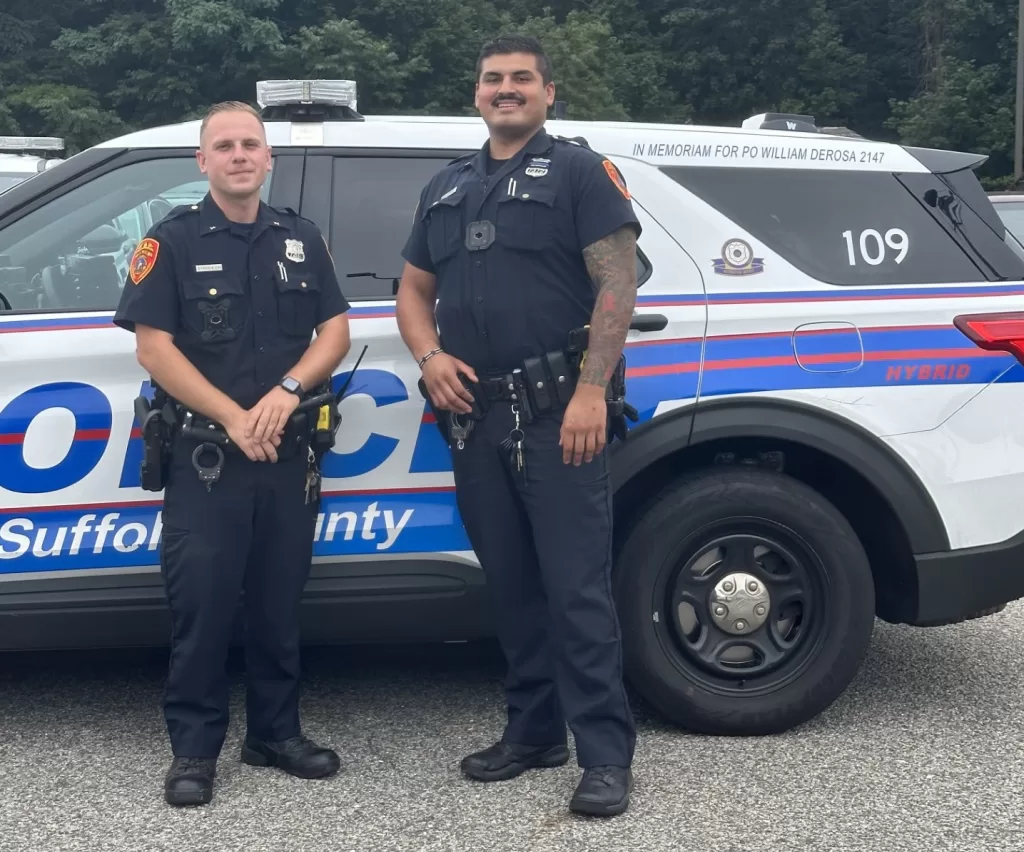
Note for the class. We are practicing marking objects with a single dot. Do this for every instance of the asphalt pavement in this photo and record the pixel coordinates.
(925, 751)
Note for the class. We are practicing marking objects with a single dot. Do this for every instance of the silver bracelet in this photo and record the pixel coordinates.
(428, 356)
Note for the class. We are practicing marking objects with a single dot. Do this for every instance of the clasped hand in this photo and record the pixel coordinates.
(257, 432)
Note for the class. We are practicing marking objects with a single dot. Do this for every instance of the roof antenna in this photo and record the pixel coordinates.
(560, 109)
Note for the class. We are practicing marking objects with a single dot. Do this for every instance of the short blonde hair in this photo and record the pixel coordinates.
(229, 106)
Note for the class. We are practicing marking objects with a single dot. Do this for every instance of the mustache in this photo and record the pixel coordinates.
(513, 98)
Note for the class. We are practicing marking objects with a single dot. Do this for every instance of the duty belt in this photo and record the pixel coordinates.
(539, 386)
(164, 420)
(213, 439)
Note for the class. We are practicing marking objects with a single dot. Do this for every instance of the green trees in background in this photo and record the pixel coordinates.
(923, 72)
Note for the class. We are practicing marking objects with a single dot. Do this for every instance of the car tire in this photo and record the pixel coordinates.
(691, 664)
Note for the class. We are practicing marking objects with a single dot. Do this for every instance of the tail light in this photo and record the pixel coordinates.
(995, 332)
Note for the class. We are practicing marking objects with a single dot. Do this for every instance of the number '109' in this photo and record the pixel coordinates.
(872, 246)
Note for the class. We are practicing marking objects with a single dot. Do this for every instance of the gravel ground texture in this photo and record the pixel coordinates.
(925, 751)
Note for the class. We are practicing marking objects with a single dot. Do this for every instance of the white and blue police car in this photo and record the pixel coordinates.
(829, 397)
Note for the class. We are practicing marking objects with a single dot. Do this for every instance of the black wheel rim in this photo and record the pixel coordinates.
(746, 650)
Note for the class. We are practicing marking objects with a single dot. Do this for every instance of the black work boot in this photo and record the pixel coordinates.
(503, 761)
(189, 781)
(603, 791)
(297, 756)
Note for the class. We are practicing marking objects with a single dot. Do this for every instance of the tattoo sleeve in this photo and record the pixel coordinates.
(611, 262)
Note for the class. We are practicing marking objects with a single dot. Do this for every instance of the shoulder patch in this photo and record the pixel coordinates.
(143, 260)
(616, 177)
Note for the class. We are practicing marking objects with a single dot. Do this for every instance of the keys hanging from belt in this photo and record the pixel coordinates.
(513, 445)
(313, 479)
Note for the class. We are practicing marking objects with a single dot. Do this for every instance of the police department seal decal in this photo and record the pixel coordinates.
(738, 259)
(293, 250)
(143, 260)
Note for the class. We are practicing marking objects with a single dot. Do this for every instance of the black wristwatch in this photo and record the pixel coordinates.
(292, 385)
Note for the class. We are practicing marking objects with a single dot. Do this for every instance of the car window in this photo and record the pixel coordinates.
(371, 214)
(72, 253)
(841, 227)
(1012, 214)
(132, 223)
(374, 199)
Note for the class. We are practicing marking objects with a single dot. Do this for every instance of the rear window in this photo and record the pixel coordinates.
(1012, 215)
(857, 228)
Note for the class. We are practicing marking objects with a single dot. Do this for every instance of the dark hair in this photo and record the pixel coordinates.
(506, 44)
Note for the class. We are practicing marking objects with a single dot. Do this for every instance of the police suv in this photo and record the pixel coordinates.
(826, 366)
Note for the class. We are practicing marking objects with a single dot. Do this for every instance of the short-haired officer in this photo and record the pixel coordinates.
(224, 297)
(521, 243)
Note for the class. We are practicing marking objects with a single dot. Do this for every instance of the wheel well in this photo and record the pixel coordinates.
(871, 516)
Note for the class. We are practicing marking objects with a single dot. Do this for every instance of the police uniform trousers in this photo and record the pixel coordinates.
(545, 545)
(249, 539)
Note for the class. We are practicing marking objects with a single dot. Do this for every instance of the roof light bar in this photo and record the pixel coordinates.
(781, 121)
(271, 93)
(31, 143)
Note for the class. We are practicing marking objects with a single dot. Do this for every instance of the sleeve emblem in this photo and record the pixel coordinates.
(616, 178)
(143, 260)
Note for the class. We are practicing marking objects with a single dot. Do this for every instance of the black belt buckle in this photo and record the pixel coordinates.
(479, 235)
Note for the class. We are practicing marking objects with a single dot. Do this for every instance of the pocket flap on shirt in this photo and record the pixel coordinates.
(538, 194)
(296, 281)
(448, 199)
(212, 286)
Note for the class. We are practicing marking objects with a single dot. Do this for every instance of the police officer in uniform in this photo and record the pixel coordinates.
(519, 244)
(224, 297)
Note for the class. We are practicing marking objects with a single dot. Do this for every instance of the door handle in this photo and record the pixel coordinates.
(648, 322)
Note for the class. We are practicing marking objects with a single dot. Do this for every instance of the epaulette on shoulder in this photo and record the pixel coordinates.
(574, 140)
(294, 215)
(285, 211)
(181, 210)
(465, 158)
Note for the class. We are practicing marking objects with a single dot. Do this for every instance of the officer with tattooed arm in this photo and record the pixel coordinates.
(512, 250)
(223, 297)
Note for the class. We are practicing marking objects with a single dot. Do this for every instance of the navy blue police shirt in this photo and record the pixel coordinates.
(242, 300)
(505, 241)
